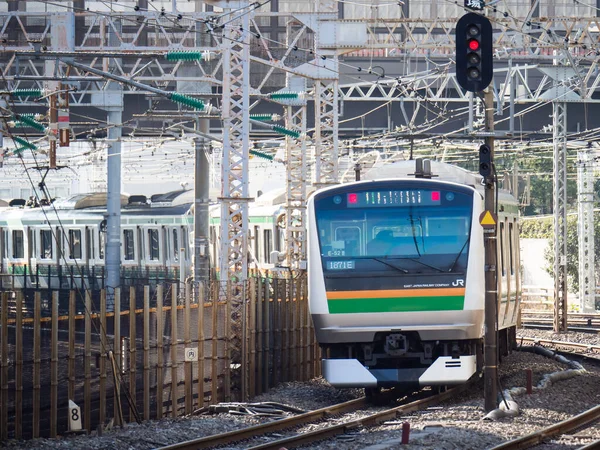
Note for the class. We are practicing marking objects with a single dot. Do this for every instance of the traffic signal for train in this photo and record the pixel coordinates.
(485, 161)
(474, 53)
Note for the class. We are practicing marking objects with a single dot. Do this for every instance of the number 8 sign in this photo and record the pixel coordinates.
(74, 416)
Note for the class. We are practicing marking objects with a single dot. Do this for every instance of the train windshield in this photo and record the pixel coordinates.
(395, 230)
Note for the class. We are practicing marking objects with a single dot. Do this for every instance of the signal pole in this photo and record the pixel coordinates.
(490, 344)
(474, 72)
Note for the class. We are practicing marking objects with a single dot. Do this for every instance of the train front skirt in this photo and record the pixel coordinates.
(445, 370)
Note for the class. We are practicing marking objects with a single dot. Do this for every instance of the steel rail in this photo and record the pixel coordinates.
(584, 419)
(370, 420)
(251, 432)
(561, 344)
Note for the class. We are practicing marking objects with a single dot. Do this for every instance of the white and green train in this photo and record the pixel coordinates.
(396, 276)
(62, 245)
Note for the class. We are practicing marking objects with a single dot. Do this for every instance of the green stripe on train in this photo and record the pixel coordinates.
(396, 304)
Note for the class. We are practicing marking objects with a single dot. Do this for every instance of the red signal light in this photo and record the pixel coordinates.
(473, 45)
(352, 198)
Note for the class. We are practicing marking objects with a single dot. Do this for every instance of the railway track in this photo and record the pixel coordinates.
(577, 423)
(319, 415)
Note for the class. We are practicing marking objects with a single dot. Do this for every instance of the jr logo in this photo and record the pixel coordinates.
(459, 282)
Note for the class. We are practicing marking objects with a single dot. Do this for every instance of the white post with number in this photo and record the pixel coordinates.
(74, 416)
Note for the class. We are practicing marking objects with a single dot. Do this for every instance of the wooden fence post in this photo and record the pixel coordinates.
(252, 338)
(160, 329)
(71, 369)
(201, 300)
(268, 356)
(260, 333)
(189, 395)
(4, 366)
(103, 351)
(54, 368)
(37, 343)
(174, 389)
(132, 355)
(146, 353)
(87, 361)
(214, 349)
(19, 366)
(117, 357)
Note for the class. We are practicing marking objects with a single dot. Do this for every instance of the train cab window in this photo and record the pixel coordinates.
(510, 248)
(128, 245)
(18, 250)
(45, 244)
(74, 244)
(153, 245)
(267, 242)
(175, 246)
(502, 240)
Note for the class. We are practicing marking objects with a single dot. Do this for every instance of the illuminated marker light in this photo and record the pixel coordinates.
(352, 198)
(435, 196)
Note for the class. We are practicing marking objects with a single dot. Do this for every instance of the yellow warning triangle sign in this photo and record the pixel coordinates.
(487, 219)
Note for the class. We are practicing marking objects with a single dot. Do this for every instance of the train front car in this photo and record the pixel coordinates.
(396, 282)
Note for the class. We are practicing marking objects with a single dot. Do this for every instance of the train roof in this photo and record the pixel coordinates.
(440, 171)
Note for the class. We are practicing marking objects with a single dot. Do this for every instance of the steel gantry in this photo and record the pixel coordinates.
(585, 230)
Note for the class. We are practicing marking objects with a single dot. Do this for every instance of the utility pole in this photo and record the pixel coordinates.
(201, 217)
(490, 345)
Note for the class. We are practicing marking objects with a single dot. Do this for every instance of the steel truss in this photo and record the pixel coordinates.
(560, 215)
(233, 264)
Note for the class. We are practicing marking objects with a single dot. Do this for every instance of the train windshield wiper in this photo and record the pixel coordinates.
(424, 264)
(458, 256)
(393, 266)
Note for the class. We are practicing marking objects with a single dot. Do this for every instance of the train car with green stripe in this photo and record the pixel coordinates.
(396, 275)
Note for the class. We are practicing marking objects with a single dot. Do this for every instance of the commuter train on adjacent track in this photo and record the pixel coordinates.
(396, 276)
(61, 245)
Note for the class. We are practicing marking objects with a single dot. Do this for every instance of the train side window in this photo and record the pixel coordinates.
(153, 244)
(18, 250)
(175, 246)
(74, 244)
(502, 249)
(268, 235)
(101, 243)
(257, 249)
(128, 245)
(510, 248)
(184, 242)
(46, 244)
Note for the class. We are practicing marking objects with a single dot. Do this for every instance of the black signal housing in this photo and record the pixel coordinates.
(474, 52)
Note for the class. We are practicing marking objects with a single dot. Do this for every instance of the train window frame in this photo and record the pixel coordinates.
(257, 249)
(268, 242)
(75, 244)
(184, 242)
(128, 244)
(46, 238)
(17, 248)
(153, 237)
(511, 247)
(101, 244)
(360, 250)
(174, 240)
(502, 240)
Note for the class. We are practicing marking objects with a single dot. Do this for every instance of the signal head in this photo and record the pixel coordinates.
(474, 52)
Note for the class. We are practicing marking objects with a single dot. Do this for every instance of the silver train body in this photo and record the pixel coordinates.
(396, 276)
